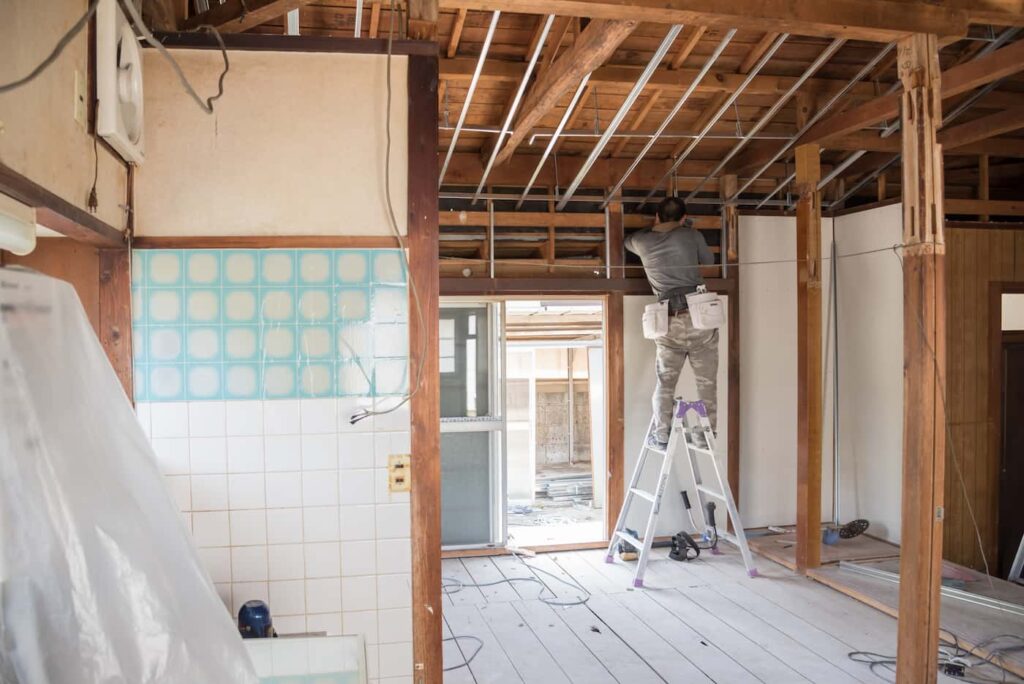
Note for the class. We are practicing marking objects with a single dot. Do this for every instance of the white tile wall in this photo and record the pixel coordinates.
(288, 503)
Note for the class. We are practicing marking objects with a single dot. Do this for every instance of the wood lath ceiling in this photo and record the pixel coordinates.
(992, 128)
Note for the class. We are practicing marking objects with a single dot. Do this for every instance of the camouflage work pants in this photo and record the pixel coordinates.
(683, 341)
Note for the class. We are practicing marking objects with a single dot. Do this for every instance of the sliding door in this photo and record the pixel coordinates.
(472, 425)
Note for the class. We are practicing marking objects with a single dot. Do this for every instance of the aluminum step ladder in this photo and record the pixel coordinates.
(705, 494)
(1017, 568)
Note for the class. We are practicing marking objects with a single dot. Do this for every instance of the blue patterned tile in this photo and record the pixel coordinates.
(250, 324)
(277, 267)
(314, 267)
(166, 381)
(351, 267)
(202, 268)
(243, 381)
(239, 267)
(204, 381)
(241, 343)
(203, 344)
(277, 305)
(164, 268)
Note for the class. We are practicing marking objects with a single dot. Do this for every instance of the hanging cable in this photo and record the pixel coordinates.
(57, 50)
(207, 106)
(393, 224)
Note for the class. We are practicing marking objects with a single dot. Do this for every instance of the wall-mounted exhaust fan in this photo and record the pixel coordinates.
(119, 82)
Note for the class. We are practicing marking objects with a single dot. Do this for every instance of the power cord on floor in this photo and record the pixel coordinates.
(451, 585)
(467, 661)
(954, 661)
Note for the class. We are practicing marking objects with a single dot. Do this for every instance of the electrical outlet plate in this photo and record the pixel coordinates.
(80, 98)
(398, 473)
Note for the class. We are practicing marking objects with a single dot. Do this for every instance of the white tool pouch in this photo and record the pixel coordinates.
(656, 320)
(706, 309)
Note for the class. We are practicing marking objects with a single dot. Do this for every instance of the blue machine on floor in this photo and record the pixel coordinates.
(254, 621)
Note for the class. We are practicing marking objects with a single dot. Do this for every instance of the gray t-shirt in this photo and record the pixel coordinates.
(670, 257)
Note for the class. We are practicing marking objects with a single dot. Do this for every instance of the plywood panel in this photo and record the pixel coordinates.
(975, 258)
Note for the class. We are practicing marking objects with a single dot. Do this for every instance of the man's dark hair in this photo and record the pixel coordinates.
(671, 209)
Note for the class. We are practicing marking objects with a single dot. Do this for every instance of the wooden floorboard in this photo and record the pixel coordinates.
(781, 548)
(701, 621)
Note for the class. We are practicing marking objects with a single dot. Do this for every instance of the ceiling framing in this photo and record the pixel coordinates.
(746, 105)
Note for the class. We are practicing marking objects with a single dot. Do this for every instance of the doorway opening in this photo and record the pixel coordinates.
(523, 423)
(556, 422)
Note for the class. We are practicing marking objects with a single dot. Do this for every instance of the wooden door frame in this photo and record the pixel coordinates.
(996, 290)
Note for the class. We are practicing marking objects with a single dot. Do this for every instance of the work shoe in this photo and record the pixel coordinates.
(698, 439)
(654, 443)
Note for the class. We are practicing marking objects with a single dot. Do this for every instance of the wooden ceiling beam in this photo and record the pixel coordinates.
(423, 19)
(671, 82)
(638, 120)
(456, 34)
(982, 129)
(875, 20)
(689, 43)
(955, 81)
(235, 16)
(595, 45)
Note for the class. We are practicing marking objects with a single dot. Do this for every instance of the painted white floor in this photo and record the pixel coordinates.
(703, 621)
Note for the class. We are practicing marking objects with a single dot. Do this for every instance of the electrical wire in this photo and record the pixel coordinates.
(452, 585)
(972, 663)
(57, 50)
(207, 106)
(393, 224)
(467, 661)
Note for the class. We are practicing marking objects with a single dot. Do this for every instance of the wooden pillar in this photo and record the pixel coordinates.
(424, 361)
(730, 217)
(730, 253)
(809, 399)
(924, 362)
(882, 182)
(983, 182)
(616, 237)
(115, 313)
(615, 382)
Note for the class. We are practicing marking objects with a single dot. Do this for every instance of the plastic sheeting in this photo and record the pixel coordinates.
(99, 581)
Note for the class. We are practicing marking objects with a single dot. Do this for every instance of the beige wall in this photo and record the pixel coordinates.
(295, 146)
(39, 137)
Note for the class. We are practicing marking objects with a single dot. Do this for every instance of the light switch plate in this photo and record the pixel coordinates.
(398, 473)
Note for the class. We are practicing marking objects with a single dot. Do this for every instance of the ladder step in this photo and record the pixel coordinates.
(702, 450)
(642, 494)
(711, 492)
(631, 540)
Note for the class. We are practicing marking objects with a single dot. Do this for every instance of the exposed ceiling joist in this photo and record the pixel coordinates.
(235, 16)
(955, 81)
(595, 45)
(877, 20)
(671, 82)
(984, 128)
(422, 19)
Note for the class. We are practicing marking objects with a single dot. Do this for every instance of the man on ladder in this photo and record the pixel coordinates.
(672, 252)
(683, 324)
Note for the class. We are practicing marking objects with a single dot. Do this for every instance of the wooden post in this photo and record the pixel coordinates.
(425, 405)
(616, 236)
(115, 314)
(615, 382)
(882, 181)
(983, 182)
(809, 400)
(730, 216)
(924, 362)
(731, 253)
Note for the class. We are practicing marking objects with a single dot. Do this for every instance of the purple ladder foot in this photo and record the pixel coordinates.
(638, 583)
(753, 573)
(609, 559)
(715, 551)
